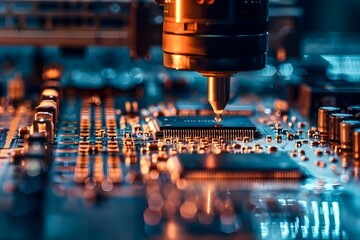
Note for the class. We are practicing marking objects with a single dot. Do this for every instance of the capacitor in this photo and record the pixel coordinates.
(356, 143)
(56, 85)
(44, 122)
(353, 109)
(36, 146)
(323, 120)
(334, 125)
(50, 94)
(48, 106)
(52, 72)
(346, 133)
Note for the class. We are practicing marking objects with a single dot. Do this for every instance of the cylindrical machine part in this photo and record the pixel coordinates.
(334, 125)
(215, 36)
(346, 133)
(353, 109)
(218, 93)
(356, 143)
(323, 120)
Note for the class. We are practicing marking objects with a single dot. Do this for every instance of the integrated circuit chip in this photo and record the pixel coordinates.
(231, 127)
(191, 108)
(239, 166)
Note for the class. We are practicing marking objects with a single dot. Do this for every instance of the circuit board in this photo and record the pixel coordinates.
(107, 165)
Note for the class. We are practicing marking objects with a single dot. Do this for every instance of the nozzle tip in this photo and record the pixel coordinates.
(218, 111)
(218, 118)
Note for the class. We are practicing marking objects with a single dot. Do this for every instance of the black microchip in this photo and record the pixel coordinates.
(239, 166)
(231, 127)
(191, 108)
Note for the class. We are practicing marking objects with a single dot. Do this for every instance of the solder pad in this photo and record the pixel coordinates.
(239, 166)
(231, 127)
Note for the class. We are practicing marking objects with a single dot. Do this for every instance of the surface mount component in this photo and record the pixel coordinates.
(245, 166)
(204, 126)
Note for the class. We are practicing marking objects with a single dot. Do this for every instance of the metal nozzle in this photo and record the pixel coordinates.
(218, 93)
